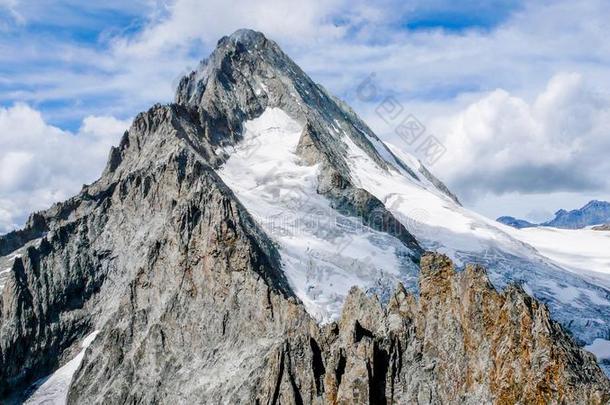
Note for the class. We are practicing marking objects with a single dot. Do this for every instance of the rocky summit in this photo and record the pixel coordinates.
(161, 283)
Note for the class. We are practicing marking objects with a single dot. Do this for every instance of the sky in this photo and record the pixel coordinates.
(517, 93)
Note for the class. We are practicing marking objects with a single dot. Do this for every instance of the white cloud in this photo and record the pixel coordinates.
(41, 164)
(189, 20)
(502, 143)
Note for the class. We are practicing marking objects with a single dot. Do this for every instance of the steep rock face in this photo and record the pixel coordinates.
(140, 214)
(502, 342)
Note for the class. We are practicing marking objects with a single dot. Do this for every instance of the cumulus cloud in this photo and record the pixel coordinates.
(41, 164)
(501, 143)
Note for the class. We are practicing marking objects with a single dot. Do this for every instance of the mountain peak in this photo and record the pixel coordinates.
(246, 37)
(595, 212)
(248, 73)
(515, 222)
(596, 204)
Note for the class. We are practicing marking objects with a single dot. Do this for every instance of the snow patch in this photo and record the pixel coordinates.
(564, 293)
(14, 257)
(53, 390)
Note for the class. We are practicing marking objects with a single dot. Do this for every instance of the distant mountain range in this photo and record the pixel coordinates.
(593, 213)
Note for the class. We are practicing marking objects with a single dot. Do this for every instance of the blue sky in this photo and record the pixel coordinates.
(517, 91)
(458, 16)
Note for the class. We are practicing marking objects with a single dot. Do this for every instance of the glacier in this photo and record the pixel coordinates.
(324, 253)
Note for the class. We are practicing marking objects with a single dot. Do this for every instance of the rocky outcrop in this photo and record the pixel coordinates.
(605, 227)
(460, 342)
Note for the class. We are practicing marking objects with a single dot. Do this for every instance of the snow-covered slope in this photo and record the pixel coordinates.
(53, 390)
(325, 253)
(585, 252)
(442, 225)
(601, 349)
(582, 251)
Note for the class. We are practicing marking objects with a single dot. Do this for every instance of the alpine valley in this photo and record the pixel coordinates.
(255, 242)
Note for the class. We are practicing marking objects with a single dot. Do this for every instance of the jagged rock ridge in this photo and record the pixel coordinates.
(189, 296)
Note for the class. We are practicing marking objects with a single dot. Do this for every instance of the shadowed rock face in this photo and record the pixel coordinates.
(190, 299)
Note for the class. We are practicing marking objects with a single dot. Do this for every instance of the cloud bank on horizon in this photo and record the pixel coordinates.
(517, 92)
